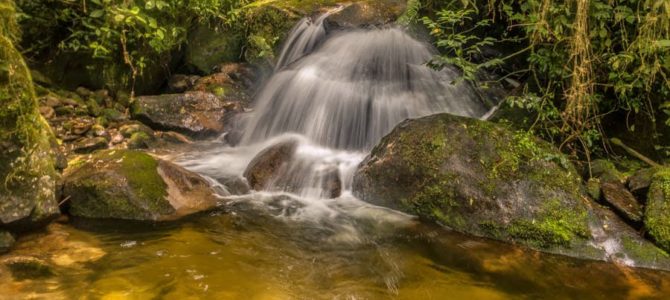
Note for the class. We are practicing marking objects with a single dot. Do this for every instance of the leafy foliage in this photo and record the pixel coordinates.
(582, 59)
(136, 33)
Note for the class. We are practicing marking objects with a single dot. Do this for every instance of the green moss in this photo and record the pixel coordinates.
(27, 172)
(120, 184)
(657, 211)
(643, 252)
(141, 171)
(139, 140)
(556, 225)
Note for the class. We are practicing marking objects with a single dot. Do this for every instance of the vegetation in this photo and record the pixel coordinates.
(582, 61)
(122, 36)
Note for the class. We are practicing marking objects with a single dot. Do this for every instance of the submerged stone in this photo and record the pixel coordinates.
(27, 267)
(132, 185)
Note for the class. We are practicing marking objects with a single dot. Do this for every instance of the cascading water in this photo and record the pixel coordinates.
(336, 94)
(354, 88)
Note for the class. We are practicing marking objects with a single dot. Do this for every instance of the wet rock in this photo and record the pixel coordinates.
(234, 186)
(657, 210)
(173, 137)
(128, 130)
(80, 126)
(26, 267)
(240, 73)
(606, 171)
(64, 111)
(132, 185)
(140, 140)
(51, 101)
(331, 183)
(640, 182)
(371, 13)
(269, 163)
(88, 145)
(114, 115)
(617, 196)
(6, 241)
(593, 188)
(180, 83)
(94, 108)
(193, 113)
(278, 168)
(99, 131)
(83, 92)
(47, 112)
(117, 138)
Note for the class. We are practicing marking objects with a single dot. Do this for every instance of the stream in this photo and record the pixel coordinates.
(335, 94)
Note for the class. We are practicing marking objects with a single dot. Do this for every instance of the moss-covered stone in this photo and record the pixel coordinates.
(479, 178)
(488, 180)
(124, 184)
(657, 211)
(27, 172)
(140, 140)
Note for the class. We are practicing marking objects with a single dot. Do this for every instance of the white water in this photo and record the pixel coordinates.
(337, 94)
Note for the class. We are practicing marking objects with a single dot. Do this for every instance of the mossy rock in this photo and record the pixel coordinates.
(133, 185)
(140, 140)
(27, 172)
(484, 179)
(657, 211)
(477, 178)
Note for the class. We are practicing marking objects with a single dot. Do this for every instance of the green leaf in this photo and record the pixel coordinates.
(663, 43)
(97, 13)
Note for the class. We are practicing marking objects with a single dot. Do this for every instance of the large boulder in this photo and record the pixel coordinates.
(483, 179)
(657, 211)
(196, 114)
(27, 163)
(132, 185)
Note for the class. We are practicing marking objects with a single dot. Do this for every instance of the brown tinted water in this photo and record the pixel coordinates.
(242, 253)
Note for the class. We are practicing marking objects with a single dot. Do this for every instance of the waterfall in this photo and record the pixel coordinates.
(335, 94)
(348, 89)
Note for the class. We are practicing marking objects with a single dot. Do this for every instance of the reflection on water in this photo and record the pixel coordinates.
(243, 253)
